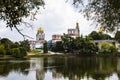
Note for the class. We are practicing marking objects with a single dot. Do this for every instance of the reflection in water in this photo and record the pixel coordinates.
(37, 64)
(62, 68)
(40, 69)
(8, 66)
(79, 68)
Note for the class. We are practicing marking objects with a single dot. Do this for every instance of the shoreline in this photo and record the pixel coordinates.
(8, 57)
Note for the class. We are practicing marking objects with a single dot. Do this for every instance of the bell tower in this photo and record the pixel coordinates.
(77, 29)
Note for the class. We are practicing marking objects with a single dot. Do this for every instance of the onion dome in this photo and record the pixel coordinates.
(40, 30)
(100, 30)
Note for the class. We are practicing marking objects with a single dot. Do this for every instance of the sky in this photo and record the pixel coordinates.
(55, 18)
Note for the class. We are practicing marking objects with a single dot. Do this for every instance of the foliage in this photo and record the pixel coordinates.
(65, 42)
(16, 52)
(68, 43)
(2, 50)
(58, 47)
(106, 47)
(113, 49)
(7, 44)
(15, 45)
(50, 44)
(103, 12)
(19, 52)
(99, 36)
(86, 46)
(77, 45)
(117, 36)
(95, 35)
(45, 47)
(17, 49)
(13, 11)
(23, 52)
(25, 44)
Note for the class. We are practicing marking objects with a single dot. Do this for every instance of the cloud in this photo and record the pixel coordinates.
(56, 18)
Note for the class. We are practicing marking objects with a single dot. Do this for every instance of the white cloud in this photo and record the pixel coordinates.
(56, 18)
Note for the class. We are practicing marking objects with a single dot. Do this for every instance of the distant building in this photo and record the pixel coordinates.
(72, 32)
(32, 44)
(40, 39)
(75, 32)
(56, 37)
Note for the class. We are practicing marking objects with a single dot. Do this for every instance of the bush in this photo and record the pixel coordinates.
(23, 52)
(16, 52)
(19, 52)
(107, 48)
(113, 49)
(2, 50)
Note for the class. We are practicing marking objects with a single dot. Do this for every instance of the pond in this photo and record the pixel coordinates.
(61, 68)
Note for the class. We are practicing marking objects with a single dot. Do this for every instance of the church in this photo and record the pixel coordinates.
(72, 32)
(40, 39)
(75, 32)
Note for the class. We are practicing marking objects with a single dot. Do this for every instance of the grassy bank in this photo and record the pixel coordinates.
(40, 54)
(9, 57)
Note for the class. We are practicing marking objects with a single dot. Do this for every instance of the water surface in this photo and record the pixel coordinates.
(61, 68)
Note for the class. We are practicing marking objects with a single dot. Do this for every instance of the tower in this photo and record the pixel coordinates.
(74, 32)
(77, 30)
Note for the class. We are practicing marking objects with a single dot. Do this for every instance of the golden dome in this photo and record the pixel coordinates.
(100, 30)
(40, 29)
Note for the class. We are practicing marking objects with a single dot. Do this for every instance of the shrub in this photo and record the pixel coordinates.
(106, 47)
(113, 49)
(2, 50)
(23, 52)
(16, 52)
(19, 52)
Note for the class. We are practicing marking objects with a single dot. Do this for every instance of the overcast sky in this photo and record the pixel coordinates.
(56, 18)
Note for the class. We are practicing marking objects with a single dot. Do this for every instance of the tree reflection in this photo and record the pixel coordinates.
(7, 67)
(73, 68)
(97, 68)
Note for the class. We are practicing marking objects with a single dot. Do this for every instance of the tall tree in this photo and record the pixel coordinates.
(45, 47)
(104, 12)
(99, 36)
(13, 11)
(7, 44)
(117, 36)
(25, 44)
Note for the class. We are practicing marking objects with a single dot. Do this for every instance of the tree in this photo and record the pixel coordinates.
(45, 47)
(99, 36)
(106, 47)
(103, 12)
(25, 44)
(58, 47)
(117, 36)
(78, 45)
(85, 46)
(65, 42)
(2, 50)
(95, 35)
(7, 44)
(13, 11)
